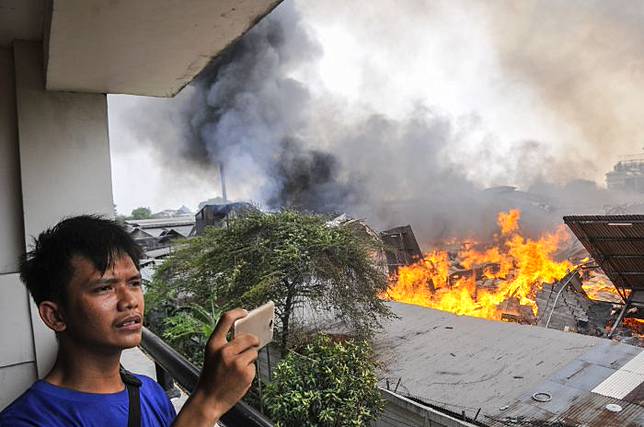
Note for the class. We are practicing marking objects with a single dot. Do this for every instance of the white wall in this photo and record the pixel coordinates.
(64, 148)
(64, 162)
(17, 361)
(12, 242)
(54, 162)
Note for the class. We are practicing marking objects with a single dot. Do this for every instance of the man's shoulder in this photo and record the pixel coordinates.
(155, 398)
(24, 411)
(43, 404)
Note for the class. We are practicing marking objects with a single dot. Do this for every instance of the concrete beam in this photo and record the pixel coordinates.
(144, 47)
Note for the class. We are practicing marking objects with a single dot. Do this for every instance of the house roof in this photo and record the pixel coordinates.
(176, 221)
(160, 252)
(616, 242)
(184, 230)
(463, 363)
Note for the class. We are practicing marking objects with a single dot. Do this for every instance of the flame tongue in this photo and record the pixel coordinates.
(514, 269)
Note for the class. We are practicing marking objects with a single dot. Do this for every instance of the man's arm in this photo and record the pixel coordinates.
(227, 374)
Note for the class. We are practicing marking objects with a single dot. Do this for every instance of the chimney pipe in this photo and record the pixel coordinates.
(222, 179)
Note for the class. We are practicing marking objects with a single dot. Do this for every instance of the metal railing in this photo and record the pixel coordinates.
(187, 376)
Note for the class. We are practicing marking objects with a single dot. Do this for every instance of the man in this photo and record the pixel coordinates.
(84, 277)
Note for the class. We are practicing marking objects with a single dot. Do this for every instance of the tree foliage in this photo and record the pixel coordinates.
(288, 257)
(328, 384)
(141, 213)
(189, 328)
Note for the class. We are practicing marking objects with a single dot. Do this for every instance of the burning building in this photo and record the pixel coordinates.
(485, 280)
(548, 281)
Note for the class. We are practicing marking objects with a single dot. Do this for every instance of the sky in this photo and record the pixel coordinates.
(398, 101)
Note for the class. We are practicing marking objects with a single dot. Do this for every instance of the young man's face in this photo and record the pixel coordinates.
(105, 311)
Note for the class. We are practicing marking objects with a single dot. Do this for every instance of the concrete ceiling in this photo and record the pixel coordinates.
(142, 47)
(20, 20)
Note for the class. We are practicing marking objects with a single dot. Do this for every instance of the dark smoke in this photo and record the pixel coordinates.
(285, 145)
(250, 113)
(307, 180)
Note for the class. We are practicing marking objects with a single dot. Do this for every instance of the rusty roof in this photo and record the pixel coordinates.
(616, 242)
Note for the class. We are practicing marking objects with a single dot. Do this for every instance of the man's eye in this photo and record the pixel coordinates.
(136, 284)
(102, 289)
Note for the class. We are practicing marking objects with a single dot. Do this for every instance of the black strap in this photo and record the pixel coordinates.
(132, 384)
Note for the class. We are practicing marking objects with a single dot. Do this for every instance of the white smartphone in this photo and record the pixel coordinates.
(259, 322)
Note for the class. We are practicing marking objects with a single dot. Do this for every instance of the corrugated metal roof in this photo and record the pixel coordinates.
(571, 401)
(590, 410)
(155, 253)
(162, 222)
(183, 230)
(463, 364)
(636, 396)
(570, 406)
(616, 242)
(625, 380)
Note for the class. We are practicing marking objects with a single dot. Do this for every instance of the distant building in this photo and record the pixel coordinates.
(171, 213)
(216, 215)
(157, 233)
(627, 175)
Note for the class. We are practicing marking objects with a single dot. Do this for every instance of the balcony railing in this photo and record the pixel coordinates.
(187, 375)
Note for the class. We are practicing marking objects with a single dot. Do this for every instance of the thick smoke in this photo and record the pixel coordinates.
(285, 140)
(584, 60)
(252, 114)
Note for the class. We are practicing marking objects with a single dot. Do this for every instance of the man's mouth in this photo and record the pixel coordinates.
(129, 323)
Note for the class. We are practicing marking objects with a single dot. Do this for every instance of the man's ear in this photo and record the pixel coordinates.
(52, 314)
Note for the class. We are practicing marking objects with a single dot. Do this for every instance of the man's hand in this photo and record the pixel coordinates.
(227, 374)
(229, 367)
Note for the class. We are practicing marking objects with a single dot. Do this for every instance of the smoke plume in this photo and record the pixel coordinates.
(552, 95)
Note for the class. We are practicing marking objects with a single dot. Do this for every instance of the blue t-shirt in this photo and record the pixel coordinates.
(48, 405)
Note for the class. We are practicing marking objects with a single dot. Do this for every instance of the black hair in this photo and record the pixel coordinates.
(46, 270)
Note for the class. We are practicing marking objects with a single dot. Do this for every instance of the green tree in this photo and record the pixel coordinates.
(189, 328)
(328, 384)
(288, 257)
(141, 213)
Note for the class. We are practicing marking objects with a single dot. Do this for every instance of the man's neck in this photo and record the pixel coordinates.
(81, 369)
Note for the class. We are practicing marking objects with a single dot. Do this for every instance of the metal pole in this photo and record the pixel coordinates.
(620, 317)
(166, 382)
(268, 362)
(259, 387)
(222, 178)
(570, 276)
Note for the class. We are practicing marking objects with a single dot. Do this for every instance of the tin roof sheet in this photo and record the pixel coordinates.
(625, 380)
(616, 242)
(462, 363)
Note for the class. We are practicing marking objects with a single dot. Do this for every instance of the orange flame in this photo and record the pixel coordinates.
(635, 325)
(515, 269)
(601, 290)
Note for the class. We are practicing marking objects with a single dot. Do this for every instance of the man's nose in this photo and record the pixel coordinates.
(128, 298)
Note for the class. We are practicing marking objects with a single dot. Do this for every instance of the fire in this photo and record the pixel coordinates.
(515, 268)
(509, 222)
(635, 325)
(599, 288)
